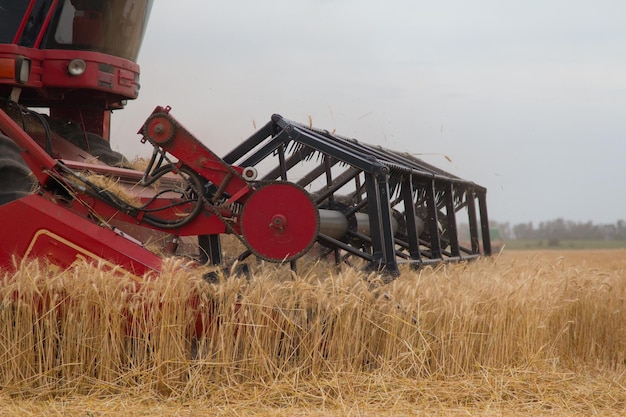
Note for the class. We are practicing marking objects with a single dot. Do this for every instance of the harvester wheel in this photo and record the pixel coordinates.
(96, 145)
(279, 222)
(16, 179)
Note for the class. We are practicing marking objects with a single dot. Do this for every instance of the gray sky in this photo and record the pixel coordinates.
(527, 98)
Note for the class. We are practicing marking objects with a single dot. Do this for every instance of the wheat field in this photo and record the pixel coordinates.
(521, 333)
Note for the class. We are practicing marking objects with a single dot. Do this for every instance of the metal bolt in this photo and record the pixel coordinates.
(279, 221)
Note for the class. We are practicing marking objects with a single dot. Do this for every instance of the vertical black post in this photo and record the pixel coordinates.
(331, 198)
(281, 161)
(357, 187)
(433, 221)
(451, 229)
(379, 210)
(210, 249)
(484, 223)
(473, 221)
(411, 220)
(327, 171)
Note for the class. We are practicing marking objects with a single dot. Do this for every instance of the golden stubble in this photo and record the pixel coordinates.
(526, 331)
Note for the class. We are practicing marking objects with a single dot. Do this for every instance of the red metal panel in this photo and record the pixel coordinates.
(35, 55)
(205, 223)
(163, 130)
(37, 228)
(104, 72)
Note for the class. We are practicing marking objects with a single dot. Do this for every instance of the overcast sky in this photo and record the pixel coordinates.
(527, 98)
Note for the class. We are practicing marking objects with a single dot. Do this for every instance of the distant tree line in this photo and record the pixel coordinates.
(556, 230)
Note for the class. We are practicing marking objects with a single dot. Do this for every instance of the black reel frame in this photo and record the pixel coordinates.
(412, 206)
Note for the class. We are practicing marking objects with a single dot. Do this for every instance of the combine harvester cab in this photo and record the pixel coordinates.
(382, 206)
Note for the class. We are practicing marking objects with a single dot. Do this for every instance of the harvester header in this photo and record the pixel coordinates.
(383, 206)
(287, 191)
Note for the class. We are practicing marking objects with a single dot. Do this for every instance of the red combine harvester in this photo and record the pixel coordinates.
(76, 59)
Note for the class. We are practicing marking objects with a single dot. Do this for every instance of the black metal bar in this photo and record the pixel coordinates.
(314, 174)
(471, 257)
(339, 244)
(243, 255)
(411, 219)
(357, 187)
(422, 262)
(356, 208)
(330, 147)
(210, 249)
(281, 162)
(402, 160)
(329, 180)
(329, 176)
(473, 221)
(337, 256)
(484, 223)
(292, 161)
(247, 145)
(451, 229)
(263, 152)
(368, 240)
(381, 229)
(433, 221)
(445, 242)
(344, 178)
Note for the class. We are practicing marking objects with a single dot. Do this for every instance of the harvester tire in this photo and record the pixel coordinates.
(96, 145)
(16, 179)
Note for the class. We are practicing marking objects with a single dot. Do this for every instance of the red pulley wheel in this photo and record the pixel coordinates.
(159, 129)
(280, 222)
